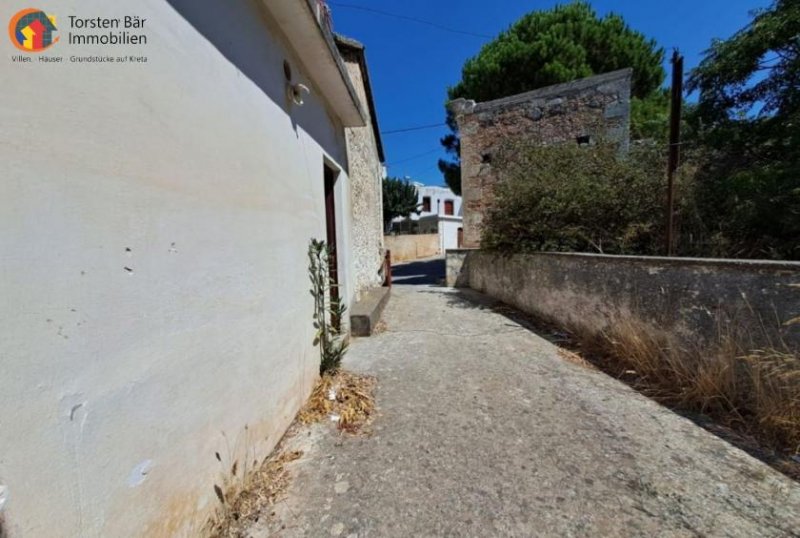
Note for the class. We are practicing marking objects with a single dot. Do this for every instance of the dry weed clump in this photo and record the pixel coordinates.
(247, 492)
(345, 398)
(775, 379)
(755, 391)
(245, 498)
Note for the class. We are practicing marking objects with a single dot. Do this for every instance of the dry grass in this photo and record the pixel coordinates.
(247, 493)
(753, 391)
(244, 499)
(574, 358)
(345, 398)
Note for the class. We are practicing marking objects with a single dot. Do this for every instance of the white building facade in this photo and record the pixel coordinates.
(154, 230)
(440, 212)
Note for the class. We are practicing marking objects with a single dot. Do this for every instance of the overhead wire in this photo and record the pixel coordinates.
(415, 157)
(415, 128)
(411, 19)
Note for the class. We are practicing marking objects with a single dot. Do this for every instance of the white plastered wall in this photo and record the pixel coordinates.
(448, 232)
(153, 234)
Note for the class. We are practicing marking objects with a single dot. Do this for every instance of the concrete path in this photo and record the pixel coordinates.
(486, 431)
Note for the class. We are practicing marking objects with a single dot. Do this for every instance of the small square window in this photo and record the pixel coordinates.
(426, 204)
(584, 140)
(448, 207)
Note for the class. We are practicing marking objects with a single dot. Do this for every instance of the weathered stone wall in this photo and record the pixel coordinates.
(457, 267)
(366, 176)
(693, 299)
(406, 248)
(596, 107)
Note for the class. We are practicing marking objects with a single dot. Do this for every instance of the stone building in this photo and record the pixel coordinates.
(365, 160)
(580, 112)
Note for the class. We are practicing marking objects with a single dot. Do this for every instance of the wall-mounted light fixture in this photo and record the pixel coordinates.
(294, 91)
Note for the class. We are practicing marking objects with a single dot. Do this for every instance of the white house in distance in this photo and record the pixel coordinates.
(154, 225)
(440, 213)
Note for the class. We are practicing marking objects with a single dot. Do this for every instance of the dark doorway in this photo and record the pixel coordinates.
(460, 238)
(330, 225)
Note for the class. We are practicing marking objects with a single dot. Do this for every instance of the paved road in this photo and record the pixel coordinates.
(486, 431)
(429, 271)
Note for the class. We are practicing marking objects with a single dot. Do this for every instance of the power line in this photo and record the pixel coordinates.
(418, 128)
(412, 19)
(424, 171)
(415, 157)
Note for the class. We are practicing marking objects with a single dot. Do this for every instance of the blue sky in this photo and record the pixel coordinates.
(411, 64)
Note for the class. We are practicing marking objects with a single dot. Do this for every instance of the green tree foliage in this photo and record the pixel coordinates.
(549, 47)
(400, 199)
(650, 117)
(769, 46)
(747, 146)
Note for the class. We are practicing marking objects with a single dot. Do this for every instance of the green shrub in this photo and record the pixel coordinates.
(577, 198)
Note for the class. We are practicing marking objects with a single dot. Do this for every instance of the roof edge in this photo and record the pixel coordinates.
(306, 34)
(359, 48)
(549, 91)
(327, 35)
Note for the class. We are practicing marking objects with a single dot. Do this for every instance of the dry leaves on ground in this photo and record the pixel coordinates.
(342, 397)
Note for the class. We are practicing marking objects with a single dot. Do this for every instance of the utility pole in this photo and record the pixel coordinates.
(674, 144)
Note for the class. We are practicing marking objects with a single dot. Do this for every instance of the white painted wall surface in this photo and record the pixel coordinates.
(448, 232)
(438, 196)
(118, 385)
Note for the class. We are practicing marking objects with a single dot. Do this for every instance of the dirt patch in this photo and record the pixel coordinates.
(380, 328)
(343, 398)
(574, 358)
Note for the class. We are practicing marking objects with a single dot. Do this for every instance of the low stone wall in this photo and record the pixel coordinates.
(412, 247)
(457, 267)
(693, 299)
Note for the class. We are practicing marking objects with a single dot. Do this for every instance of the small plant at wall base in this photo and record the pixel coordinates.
(328, 310)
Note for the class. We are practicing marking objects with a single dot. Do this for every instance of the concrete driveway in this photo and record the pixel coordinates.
(484, 430)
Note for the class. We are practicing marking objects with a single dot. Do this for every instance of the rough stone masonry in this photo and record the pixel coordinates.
(581, 112)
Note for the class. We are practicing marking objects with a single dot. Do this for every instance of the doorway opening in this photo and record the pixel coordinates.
(330, 228)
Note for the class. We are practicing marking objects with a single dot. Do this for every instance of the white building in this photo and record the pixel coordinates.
(440, 213)
(154, 224)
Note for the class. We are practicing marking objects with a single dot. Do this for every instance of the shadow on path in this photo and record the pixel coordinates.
(572, 350)
(430, 272)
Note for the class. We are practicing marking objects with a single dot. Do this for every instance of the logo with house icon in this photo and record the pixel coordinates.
(31, 30)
